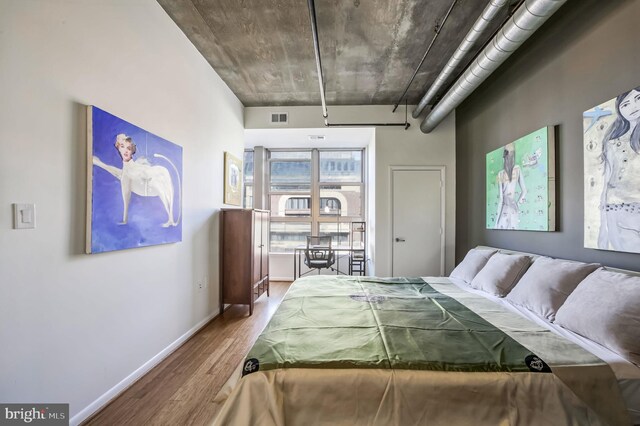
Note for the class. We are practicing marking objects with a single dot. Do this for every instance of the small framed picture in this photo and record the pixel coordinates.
(232, 180)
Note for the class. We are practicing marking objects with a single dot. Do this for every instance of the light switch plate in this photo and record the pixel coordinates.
(24, 216)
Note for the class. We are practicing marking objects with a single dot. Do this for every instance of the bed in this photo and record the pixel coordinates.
(364, 350)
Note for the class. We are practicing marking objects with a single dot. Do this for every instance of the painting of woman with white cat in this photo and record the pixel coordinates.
(135, 193)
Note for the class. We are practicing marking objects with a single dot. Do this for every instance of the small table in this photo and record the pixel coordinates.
(298, 253)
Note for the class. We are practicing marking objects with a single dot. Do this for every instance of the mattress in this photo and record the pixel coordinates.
(360, 350)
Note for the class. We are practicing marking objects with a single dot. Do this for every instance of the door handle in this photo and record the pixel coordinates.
(400, 240)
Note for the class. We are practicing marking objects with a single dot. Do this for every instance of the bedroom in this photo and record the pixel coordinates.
(67, 316)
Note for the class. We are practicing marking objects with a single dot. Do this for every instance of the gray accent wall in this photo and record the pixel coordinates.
(587, 53)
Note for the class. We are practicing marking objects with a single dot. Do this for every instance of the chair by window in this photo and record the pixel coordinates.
(319, 254)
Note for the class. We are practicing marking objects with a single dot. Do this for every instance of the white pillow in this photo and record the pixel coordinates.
(605, 308)
(501, 273)
(547, 284)
(472, 263)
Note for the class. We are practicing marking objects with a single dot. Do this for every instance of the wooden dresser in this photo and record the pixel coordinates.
(244, 256)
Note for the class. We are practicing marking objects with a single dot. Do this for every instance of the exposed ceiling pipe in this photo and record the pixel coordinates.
(433, 40)
(406, 123)
(325, 112)
(481, 24)
(524, 22)
(316, 48)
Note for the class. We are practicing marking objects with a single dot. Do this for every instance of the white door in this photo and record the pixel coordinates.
(417, 221)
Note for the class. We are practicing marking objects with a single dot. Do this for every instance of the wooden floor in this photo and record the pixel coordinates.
(181, 389)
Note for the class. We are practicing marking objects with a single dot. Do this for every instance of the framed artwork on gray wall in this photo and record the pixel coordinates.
(521, 183)
(612, 174)
(134, 190)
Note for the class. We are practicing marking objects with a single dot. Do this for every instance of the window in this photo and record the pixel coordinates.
(290, 171)
(248, 179)
(339, 233)
(286, 236)
(290, 184)
(298, 206)
(288, 206)
(329, 206)
(314, 192)
(348, 200)
(341, 166)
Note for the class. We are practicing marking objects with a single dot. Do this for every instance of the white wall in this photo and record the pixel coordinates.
(370, 268)
(393, 146)
(414, 148)
(73, 326)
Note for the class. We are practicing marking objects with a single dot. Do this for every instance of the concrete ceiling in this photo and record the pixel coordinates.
(263, 49)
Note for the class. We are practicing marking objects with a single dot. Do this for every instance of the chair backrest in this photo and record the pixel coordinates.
(319, 249)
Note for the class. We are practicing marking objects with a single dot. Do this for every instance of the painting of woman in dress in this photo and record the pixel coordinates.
(134, 189)
(521, 183)
(612, 174)
(510, 178)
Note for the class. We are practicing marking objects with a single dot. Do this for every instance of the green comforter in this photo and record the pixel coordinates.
(363, 322)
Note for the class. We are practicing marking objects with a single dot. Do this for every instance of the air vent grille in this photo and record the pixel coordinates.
(279, 118)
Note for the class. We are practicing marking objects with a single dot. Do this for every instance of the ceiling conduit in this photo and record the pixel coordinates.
(487, 16)
(524, 22)
(433, 40)
(316, 49)
(325, 112)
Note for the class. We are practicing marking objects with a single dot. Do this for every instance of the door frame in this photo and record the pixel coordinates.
(440, 169)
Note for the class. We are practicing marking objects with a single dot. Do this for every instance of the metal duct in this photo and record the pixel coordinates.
(487, 16)
(524, 22)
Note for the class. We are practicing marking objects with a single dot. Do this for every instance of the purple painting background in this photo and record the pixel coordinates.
(146, 214)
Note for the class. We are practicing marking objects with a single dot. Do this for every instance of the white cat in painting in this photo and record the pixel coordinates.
(141, 178)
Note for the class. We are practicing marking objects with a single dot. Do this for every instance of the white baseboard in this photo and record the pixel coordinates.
(280, 279)
(141, 371)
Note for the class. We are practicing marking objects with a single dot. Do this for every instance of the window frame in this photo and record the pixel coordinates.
(296, 194)
(323, 184)
(315, 217)
(244, 180)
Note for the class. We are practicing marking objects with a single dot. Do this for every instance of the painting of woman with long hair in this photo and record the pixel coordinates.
(612, 169)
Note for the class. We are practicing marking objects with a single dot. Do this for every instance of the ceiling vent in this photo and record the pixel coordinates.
(279, 118)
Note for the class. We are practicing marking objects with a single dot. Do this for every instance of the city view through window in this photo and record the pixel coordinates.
(310, 192)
